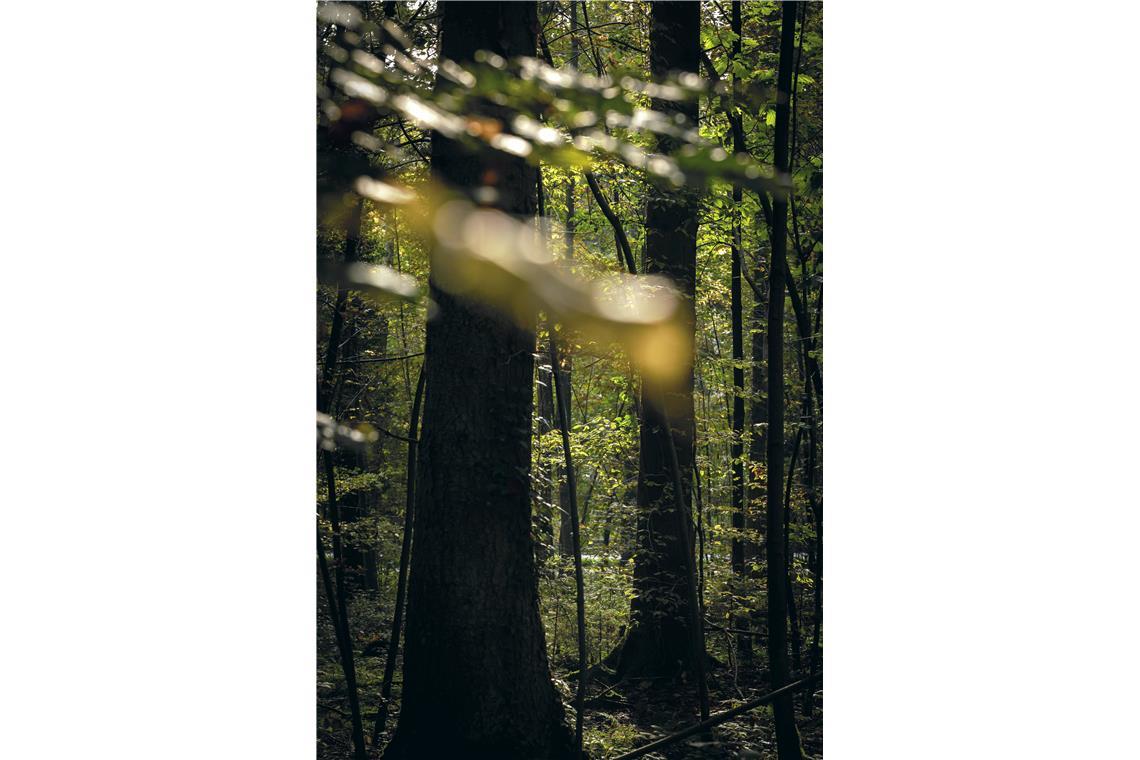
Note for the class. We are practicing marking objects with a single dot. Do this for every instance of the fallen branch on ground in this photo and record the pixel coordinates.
(719, 718)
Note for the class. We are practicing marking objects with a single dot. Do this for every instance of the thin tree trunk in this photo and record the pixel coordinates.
(344, 644)
(547, 475)
(799, 309)
(700, 534)
(737, 309)
(799, 306)
(351, 246)
(625, 253)
(341, 609)
(568, 522)
(807, 346)
(405, 556)
(360, 559)
(338, 601)
(759, 435)
(787, 737)
(561, 393)
(793, 617)
(815, 505)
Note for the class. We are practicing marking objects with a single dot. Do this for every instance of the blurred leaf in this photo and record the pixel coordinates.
(332, 435)
(486, 254)
(377, 280)
(574, 107)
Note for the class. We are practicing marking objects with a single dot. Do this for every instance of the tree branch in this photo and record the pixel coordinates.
(719, 718)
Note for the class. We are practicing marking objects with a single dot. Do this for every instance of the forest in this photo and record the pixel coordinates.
(569, 379)
(565, 326)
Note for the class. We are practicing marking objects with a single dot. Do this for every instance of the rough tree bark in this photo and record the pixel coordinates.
(659, 640)
(476, 677)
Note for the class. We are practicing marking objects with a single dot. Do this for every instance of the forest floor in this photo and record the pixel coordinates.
(630, 715)
(619, 718)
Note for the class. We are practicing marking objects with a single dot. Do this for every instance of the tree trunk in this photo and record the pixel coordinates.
(566, 527)
(547, 474)
(344, 647)
(360, 558)
(476, 677)
(338, 593)
(563, 401)
(660, 640)
(744, 641)
(815, 505)
(787, 737)
(757, 442)
(405, 559)
(793, 617)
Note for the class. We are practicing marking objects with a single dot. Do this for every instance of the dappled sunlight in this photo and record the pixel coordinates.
(592, 511)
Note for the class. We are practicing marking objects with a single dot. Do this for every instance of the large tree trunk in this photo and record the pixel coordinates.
(787, 738)
(476, 678)
(660, 640)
